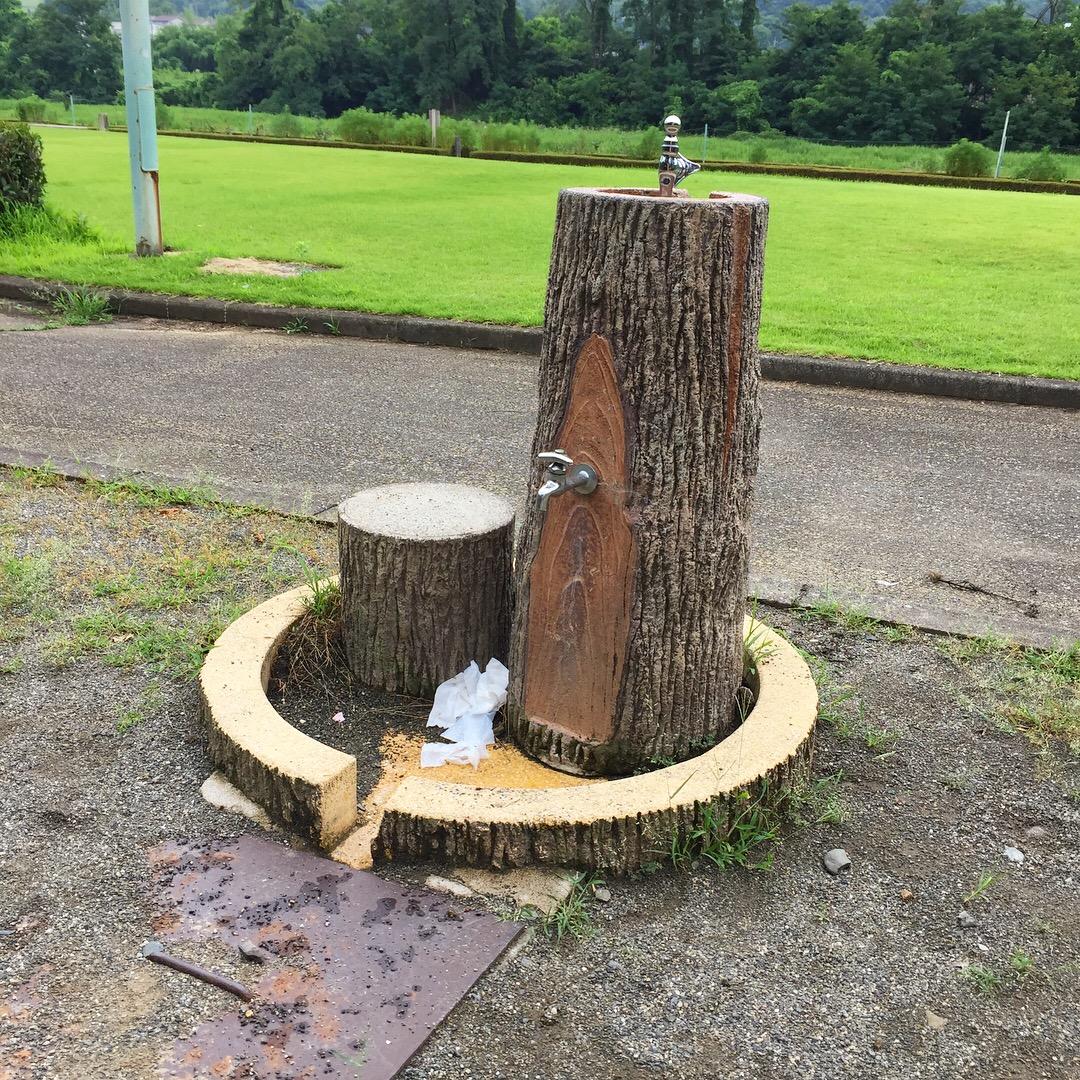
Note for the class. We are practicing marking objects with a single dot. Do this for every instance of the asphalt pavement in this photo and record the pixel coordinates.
(955, 515)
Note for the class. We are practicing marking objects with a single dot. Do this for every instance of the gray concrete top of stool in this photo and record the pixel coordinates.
(426, 511)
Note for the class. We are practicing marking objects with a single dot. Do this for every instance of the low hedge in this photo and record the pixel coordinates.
(814, 172)
(818, 172)
(230, 137)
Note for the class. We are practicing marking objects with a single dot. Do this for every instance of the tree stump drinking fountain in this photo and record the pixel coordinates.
(626, 652)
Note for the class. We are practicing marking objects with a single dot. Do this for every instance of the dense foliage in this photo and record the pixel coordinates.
(22, 174)
(924, 72)
(65, 46)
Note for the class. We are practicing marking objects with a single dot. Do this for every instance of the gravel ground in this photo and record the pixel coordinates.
(924, 775)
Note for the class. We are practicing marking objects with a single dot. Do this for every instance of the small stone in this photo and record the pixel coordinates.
(602, 894)
(1036, 832)
(935, 1022)
(906, 895)
(1013, 855)
(966, 920)
(835, 860)
(448, 885)
(614, 966)
(551, 1015)
(250, 951)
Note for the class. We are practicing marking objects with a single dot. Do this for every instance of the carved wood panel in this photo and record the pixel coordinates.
(581, 578)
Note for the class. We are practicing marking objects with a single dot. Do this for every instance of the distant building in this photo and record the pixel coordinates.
(159, 22)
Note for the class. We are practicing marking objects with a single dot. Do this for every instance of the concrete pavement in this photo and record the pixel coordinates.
(863, 496)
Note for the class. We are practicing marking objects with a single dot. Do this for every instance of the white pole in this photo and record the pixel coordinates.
(71, 102)
(1001, 149)
(141, 124)
(705, 145)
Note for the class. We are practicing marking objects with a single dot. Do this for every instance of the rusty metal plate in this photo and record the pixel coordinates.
(363, 970)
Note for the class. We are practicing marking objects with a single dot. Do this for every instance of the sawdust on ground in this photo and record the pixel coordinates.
(506, 767)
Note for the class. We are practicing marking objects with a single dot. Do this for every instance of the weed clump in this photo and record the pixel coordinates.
(1044, 167)
(32, 110)
(571, 917)
(739, 833)
(80, 307)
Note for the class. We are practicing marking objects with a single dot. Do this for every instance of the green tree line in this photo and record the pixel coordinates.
(927, 71)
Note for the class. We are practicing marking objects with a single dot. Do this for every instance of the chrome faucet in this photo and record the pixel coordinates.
(674, 167)
(564, 475)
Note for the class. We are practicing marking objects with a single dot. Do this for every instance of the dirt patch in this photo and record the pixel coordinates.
(263, 267)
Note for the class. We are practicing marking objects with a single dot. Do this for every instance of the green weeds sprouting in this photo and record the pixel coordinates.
(24, 585)
(986, 879)
(1021, 964)
(757, 646)
(148, 703)
(818, 801)
(856, 619)
(145, 578)
(571, 917)
(124, 641)
(741, 833)
(970, 648)
(1036, 691)
(323, 602)
(297, 325)
(149, 496)
(37, 476)
(1019, 969)
(35, 226)
(80, 307)
(839, 707)
(983, 978)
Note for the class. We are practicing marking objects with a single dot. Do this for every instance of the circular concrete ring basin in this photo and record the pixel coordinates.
(614, 826)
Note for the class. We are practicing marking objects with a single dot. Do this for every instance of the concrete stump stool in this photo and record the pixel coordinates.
(425, 583)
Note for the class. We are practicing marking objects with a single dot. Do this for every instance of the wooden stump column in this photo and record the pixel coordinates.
(627, 643)
(425, 583)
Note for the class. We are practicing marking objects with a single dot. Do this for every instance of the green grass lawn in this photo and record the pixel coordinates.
(764, 147)
(976, 279)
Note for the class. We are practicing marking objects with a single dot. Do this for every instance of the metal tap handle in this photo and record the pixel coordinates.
(555, 457)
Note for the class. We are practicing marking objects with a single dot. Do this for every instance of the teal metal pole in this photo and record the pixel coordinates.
(141, 124)
(1001, 148)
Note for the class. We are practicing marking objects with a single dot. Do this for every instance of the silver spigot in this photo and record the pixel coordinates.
(674, 168)
(564, 475)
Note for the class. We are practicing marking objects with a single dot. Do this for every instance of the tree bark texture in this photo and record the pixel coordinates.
(425, 583)
(626, 647)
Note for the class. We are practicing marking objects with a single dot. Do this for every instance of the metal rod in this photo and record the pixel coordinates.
(153, 951)
(142, 124)
(705, 145)
(1001, 149)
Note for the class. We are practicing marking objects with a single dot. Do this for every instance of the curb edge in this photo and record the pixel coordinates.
(527, 341)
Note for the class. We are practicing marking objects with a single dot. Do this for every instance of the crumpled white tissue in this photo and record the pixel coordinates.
(465, 707)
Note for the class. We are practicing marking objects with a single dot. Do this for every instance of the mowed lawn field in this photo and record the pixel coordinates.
(950, 277)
